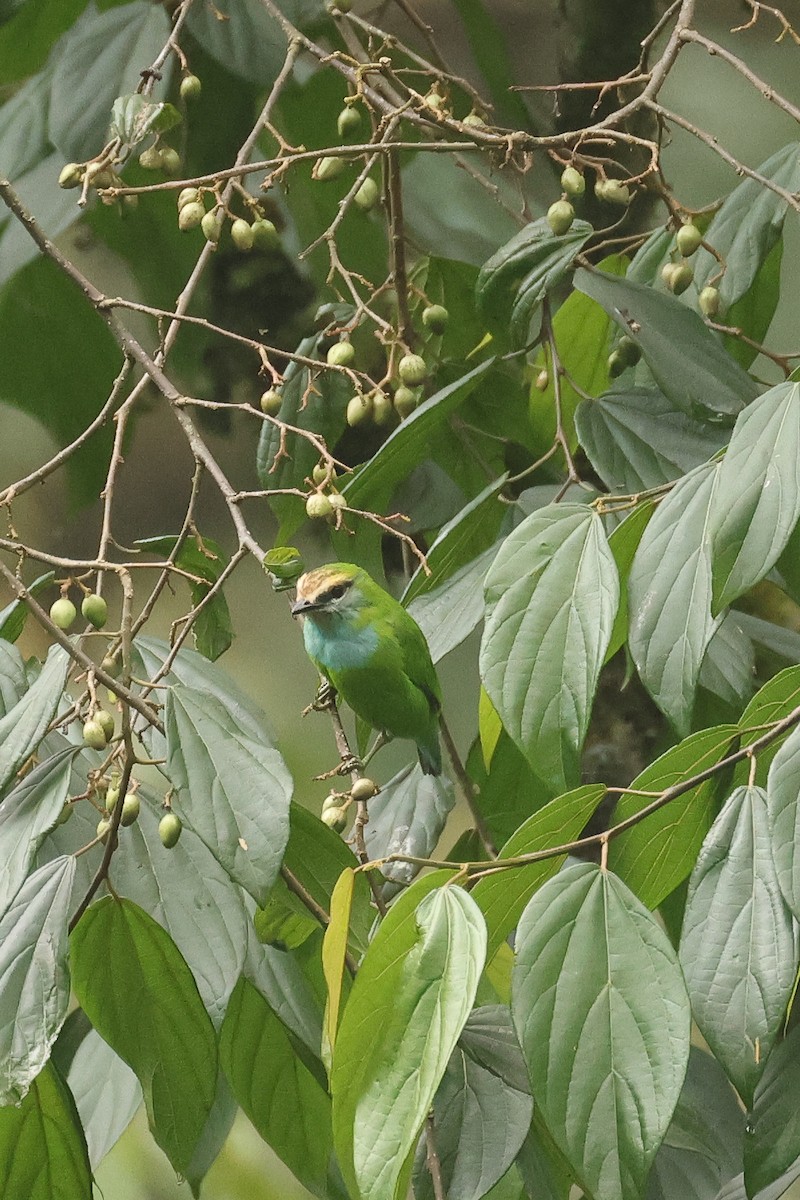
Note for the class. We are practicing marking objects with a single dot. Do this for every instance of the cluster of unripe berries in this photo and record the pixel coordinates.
(192, 213)
(678, 275)
(170, 826)
(561, 214)
(335, 806)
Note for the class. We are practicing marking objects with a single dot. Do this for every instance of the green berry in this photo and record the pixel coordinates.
(103, 826)
(211, 225)
(382, 407)
(112, 796)
(337, 502)
(709, 301)
(130, 202)
(242, 234)
(688, 239)
(573, 182)
(63, 613)
(348, 121)
(71, 175)
(367, 195)
(628, 351)
(560, 216)
(434, 100)
(612, 191)
(318, 506)
(170, 828)
(359, 411)
(412, 370)
(435, 318)
(170, 161)
(188, 195)
(130, 809)
(682, 276)
(363, 789)
(405, 401)
(616, 364)
(94, 735)
(111, 666)
(65, 814)
(667, 272)
(341, 354)
(191, 215)
(474, 120)
(265, 234)
(94, 610)
(271, 402)
(323, 473)
(335, 819)
(191, 87)
(106, 722)
(151, 159)
(328, 168)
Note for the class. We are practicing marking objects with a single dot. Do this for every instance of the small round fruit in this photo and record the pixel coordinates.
(151, 159)
(271, 402)
(337, 502)
(188, 195)
(211, 225)
(112, 796)
(680, 279)
(434, 100)
(111, 666)
(573, 182)
(63, 612)
(412, 369)
(170, 828)
(628, 351)
(94, 610)
(688, 239)
(65, 814)
(667, 271)
(191, 87)
(435, 318)
(318, 506)
(103, 826)
(382, 407)
(242, 234)
(328, 168)
(709, 301)
(191, 215)
(335, 819)
(367, 195)
(359, 411)
(265, 234)
(613, 192)
(71, 175)
(363, 789)
(323, 473)
(170, 161)
(130, 809)
(98, 174)
(341, 354)
(106, 722)
(616, 364)
(94, 735)
(474, 120)
(348, 121)
(542, 380)
(405, 401)
(560, 216)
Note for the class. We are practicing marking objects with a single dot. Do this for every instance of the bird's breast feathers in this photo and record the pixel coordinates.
(341, 647)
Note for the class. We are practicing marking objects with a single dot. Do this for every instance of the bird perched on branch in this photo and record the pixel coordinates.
(373, 653)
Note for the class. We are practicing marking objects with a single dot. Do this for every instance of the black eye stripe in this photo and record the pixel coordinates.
(336, 593)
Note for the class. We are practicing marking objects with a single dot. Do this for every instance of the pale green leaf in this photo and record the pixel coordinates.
(42, 1149)
(23, 726)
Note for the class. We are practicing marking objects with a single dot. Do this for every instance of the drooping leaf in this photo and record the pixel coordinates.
(508, 791)
(28, 812)
(34, 980)
(334, 954)
(15, 614)
(203, 558)
(753, 312)
(452, 611)
(728, 668)
(107, 1094)
(409, 1003)
(234, 791)
(14, 680)
(42, 1148)
(245, 38)
(739, 946)
(140, 996)
(783, 808)
(623, 542)
(773, 1127)
(603, 1018)
(407, 817)
(551, 597)
(22, 727)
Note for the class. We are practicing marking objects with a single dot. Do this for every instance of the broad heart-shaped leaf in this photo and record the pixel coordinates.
(450, 613)
(234, 792)
(774, 700)
(703, 376)
(27, 813)
(729, 666)
(738, 947)
(669, 595)
(773, 1128)
(747, 225)
(551, 598)
(757, 499)
(603, 1018)
(783, 808)
(407, 817)
(42, 1149)
(409, 1003)
(202, 557)
(509, 791)
(140, 996)
(702, 1149)
(34, 980)
(503, 896)
(22, 727)
(287, 1105)
(515, 280)
(658, 852)
(481, 1117)
(635, 438)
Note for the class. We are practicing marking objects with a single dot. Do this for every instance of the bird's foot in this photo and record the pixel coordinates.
(350, 763)
(324, 699)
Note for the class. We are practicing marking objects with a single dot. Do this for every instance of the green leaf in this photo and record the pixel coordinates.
(623, 541)
(202, 557)
(233, 791)
(42, 1150)
(280, 979)
(753, 312)
(334, 955)
(409, 1003)
(28, 812)
(657, 853)
(635, 438)
(481, 1118)
(702, 376)
(284, 921)
(775, 700)
(551, 598)
(34, 980)
(407, 817)
(773, 1127)
(245, 38)
(133, 117)
(669, 593)
(729, 667)
(140, 996)
(508, 790)
(515, 280)
(25, 39)
(22, 728)
(783, 794)
(450, 613)
(277, 1092)
(15, 614)
(13, 677)
(502, 897)
(756, 504)
(738, 947)
(488, 43)
(602, 1015)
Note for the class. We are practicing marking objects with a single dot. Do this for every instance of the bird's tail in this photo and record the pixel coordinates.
(430, 757)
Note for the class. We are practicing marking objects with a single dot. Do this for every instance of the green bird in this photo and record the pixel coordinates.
(373, 653)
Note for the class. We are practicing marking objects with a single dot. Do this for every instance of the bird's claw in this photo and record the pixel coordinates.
(349, 763)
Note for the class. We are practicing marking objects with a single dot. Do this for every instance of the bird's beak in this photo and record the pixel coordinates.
(302, 606)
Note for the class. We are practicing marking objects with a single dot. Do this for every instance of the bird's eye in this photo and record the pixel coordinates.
(337, 592)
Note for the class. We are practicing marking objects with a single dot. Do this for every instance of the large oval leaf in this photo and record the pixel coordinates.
(27, 813)
(783, 808)
(23, 726)
(42, 1149)
(603, 1018)
(773, 1143)
(551, 595)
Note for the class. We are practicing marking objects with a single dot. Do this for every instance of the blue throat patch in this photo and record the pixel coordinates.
(337, 644)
